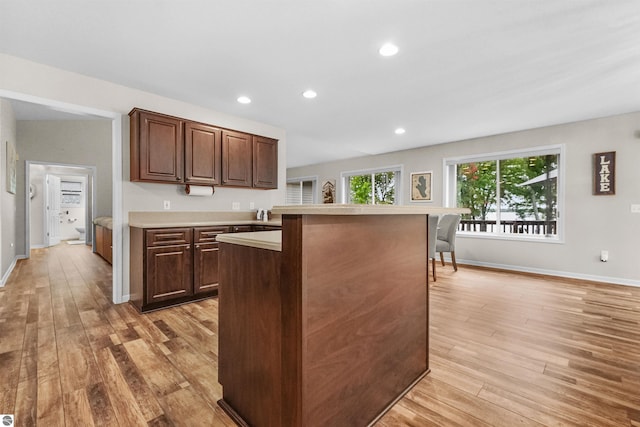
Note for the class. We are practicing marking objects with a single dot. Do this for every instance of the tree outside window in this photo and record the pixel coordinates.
(517, 195)
(373, 188)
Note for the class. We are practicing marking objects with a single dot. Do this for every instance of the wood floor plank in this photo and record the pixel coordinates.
(77, 364)
(26, 407)
(505, 349)
(121, 395)
(50, 405)
(144, 397)
(77, 409)
(101, 408)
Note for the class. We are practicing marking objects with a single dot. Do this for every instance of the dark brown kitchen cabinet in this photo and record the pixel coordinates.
(168, 273)
(167, 149)
(241, 228)
(104, 247)
(205, 259)
(265, 162)
(161, 267)
(202, 150)
(157, 147)
(236, 159)
(171, 266)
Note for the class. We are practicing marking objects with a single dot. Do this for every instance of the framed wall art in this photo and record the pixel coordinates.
(329, 191)
(604, 173)
(12, 159)
(421, 186)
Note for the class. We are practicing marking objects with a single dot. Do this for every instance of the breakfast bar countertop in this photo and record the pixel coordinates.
(343, 209)
(271, 240)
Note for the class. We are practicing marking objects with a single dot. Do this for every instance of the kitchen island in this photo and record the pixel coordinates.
(327, 326)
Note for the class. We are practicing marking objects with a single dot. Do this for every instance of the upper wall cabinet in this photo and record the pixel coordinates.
(236, 159)
(265, 162)
(157, 147)
(202, 150)
(168, 149)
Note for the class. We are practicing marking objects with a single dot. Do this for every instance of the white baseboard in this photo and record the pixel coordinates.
(6, 275)
(567, 274)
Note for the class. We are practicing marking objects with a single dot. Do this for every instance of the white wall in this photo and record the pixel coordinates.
(7, 200)
(592, 223)
(72, 142)
(37, 206)
(28, 79)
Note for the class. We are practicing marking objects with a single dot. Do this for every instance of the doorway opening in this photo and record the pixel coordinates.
(62, 203)
(116, 120)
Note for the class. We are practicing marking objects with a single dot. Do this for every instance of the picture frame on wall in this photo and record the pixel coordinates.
(604, 174)
(421, 185)
(12, 159)
(329, 191)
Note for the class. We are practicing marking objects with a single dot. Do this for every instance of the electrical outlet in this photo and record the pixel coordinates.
(252, 206)
(235, 206)
(167, 204)
(635, 208)
(604, 256)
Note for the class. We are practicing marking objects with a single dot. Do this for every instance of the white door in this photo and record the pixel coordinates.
(52, 210)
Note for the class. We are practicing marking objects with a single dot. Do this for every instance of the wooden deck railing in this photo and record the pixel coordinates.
(514, 227)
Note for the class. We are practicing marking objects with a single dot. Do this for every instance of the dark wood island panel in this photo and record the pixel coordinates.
(352, 332)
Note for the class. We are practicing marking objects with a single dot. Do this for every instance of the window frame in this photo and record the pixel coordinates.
(449, 165)
(300, 180)
(397, 169)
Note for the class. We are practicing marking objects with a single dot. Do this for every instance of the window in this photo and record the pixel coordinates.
(510, 194)
(301, 191)
(374, 187)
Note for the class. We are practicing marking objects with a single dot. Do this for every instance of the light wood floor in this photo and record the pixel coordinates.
(506, 350)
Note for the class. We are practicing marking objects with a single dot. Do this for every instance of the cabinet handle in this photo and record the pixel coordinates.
(178, 178)
(197, 246)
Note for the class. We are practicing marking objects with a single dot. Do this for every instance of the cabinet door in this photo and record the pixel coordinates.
(202, 151)
(205, 267)
(157, 147)
(236, 159)
(99, 240)
(169, 273)
(107, 245)
(265, 162)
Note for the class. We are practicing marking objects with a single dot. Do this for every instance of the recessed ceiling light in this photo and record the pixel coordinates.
(388, 49)
(244, 100)
(309, 94)
(399, 131)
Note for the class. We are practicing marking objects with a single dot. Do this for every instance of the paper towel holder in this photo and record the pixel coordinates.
(187, 188)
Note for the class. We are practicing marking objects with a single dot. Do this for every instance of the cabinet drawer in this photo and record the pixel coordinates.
(266, 228)
(241, 228)
(168, 236)
(208, 234)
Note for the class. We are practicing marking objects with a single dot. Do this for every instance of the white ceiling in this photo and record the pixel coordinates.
(466, 68)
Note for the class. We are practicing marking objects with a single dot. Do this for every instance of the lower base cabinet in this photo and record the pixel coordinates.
(104, 248)
(170, 266)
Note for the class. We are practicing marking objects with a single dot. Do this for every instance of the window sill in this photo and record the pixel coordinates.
(513, 237)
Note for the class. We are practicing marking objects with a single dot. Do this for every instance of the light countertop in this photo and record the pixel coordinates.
(270, 240)
(338, 209)
(165, 219)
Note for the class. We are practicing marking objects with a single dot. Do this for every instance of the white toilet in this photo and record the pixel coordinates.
(81, 230)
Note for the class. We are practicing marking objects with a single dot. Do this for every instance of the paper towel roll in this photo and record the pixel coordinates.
(198, 190)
